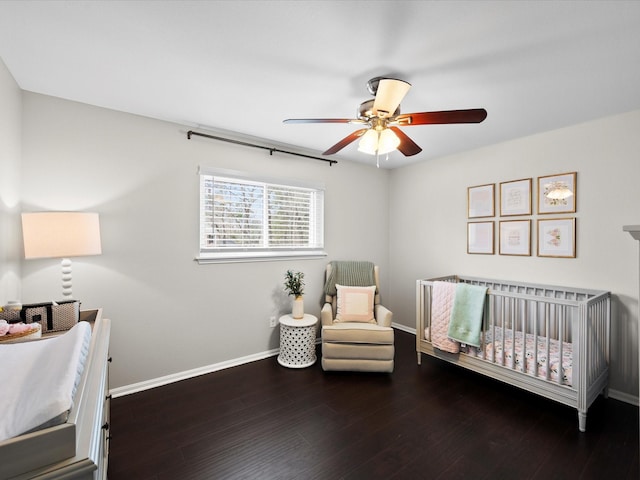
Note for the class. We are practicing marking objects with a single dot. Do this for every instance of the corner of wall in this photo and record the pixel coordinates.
(10, 164)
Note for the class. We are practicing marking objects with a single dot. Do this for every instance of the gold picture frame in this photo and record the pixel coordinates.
(515, 237)
(557, 237)
(515, 197)
(565, 200)
(480, 238)
(481, 201)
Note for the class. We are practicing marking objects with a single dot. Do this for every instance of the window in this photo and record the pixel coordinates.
(245, 218)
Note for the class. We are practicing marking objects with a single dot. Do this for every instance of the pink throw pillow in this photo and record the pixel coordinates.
(355, 304)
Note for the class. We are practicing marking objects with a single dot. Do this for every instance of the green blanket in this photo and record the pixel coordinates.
(466, 314)
(350, 273)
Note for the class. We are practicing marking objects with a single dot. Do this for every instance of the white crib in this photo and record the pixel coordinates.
(549, 340)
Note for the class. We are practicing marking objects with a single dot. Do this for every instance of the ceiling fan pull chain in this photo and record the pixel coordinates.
(377, 159)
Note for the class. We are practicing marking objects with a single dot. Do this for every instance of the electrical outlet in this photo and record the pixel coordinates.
(272, 321)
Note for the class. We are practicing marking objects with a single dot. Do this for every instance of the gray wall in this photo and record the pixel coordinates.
(170, 314)
(429, 221)
(10, 137)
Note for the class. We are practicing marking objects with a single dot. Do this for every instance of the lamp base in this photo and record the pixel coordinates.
(66, 278)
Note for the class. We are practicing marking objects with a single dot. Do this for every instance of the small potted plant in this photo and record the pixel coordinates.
(294, 285)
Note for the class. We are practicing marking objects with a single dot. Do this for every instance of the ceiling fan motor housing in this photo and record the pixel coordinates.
(365, 111)
(372, 85)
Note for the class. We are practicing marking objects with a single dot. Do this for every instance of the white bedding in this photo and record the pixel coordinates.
(39, 379)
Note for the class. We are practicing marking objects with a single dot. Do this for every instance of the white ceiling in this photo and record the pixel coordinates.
(244, 66)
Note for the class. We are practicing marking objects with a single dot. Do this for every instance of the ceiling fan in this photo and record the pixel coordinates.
(382, 118)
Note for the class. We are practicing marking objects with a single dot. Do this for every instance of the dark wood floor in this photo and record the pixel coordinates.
(435, 421)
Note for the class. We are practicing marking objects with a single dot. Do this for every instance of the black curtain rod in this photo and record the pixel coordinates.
(271, 149)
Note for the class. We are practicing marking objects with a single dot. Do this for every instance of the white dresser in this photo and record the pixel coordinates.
(78, 448)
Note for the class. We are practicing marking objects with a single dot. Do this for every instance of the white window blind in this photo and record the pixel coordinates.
(243, 218)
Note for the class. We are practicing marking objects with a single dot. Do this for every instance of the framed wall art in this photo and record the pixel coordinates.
(557, 193)
(557, 237)
(515, 237)
(480, 237)
(515, 197)
(480, 201)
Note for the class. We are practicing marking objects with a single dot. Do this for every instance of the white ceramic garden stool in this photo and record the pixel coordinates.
(297, 341)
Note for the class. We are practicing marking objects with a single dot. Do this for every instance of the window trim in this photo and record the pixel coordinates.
(242, 254)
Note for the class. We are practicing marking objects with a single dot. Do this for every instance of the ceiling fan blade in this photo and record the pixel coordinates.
(389, 95)
(473, 115)
(323, 120)
(345, 141)
(407, 146)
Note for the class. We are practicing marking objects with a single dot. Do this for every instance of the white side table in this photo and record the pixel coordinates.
(297, 341)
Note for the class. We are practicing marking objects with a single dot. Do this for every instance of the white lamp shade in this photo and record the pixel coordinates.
(369, 142)
(61, 234)
(389, 141)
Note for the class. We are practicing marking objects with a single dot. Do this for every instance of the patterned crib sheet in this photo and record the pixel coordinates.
(528, 347)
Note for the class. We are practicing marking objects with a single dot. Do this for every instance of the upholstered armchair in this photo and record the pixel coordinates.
(356, 329)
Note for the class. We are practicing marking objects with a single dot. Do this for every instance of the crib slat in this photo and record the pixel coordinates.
(561, 319)
(547, 327)
(524, 324)
(535, 339)
(502, 324)
(512, 315)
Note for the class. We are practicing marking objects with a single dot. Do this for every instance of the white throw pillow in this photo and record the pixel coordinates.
(355, 304)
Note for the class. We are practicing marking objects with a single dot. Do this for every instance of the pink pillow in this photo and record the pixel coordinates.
(355, 304)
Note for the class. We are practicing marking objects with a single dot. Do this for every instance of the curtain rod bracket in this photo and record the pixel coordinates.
(271, 149)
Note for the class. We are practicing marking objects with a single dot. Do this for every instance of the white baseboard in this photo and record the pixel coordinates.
(404, 328)
(624, 397)
(176, 377)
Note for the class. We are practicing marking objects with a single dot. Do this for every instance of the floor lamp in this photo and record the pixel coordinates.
(61, 235)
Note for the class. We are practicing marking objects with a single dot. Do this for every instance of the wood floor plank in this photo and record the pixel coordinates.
(435, 420)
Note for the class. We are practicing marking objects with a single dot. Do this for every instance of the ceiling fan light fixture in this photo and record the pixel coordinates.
(369, 142)
(388, 141)
(378, 142)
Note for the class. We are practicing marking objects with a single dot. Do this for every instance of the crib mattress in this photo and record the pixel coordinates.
(40, 380)
(514, 353)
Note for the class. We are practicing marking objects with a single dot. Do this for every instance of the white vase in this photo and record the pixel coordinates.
(297, 310)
